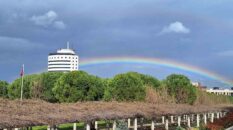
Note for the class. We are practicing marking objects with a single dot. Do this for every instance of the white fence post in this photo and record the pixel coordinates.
(166, 124)
(96, 125)
(172, 119)
(152, 125)
(217, 115)
(163, 119)
(74, 126)
(189, 125)
(198, 120)
(212, 118)
(129, 123)
(88, 127)
(179, 120)
(114, 125)
(205, 119)
(135, 124)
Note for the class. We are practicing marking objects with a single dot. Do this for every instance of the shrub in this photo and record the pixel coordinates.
(126, 87)
(158, 96)
(180, 87)
(3, 89)
(78, 86)
(14, 90)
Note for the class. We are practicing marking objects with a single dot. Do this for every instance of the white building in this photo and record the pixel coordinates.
(227, 92)
(63, 60)
(196, 84)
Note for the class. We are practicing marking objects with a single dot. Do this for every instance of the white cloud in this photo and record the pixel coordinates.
(47, 19)
(175, 27)
(226, 53)
(59, 25)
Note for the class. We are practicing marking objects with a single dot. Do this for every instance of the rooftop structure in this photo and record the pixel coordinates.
(63, 60)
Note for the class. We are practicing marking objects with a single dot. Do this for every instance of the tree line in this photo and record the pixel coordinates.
(81, 86)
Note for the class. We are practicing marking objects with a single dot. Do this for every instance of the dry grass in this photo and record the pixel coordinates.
(204, 98)
(159, 96)
(34, 112)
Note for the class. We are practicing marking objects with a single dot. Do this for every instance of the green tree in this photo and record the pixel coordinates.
(3, 89)
(15, 88)
(126, 87)
(46, 84)
(107, 90)
(78, 86)
(180, 87)
(147, 79)
(96, 89)
(150, 81)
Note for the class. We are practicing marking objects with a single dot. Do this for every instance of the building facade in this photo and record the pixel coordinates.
(227, 92)
(63, 60)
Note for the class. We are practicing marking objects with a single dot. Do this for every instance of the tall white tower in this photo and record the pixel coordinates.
(63, 60)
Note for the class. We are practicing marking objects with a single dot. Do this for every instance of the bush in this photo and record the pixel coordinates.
(3, 89)
(78, 86)
(126, 87)
(121, 125)
(47, 82)
(14, 90)
(147, 80)
(180, 87)
(158, 96)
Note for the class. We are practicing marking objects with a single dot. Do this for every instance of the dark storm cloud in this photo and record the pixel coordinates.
(193, 33)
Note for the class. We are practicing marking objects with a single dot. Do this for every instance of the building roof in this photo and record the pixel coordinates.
(64, 52)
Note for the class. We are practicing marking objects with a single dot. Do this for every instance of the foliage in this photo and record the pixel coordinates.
(47, 82)
(14, 90)
(3, 88)
(131, 86)
(121, 125)
(147, 80)
(180, 87)
(126, 87)
(78, 86)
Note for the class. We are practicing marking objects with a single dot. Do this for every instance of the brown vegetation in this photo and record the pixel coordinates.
(158, 96)
(204, 98)
(34, 112)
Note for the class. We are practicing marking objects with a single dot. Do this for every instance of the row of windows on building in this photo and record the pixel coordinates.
(63, 64)
(63, 67)
(63, 61)
(62, 58)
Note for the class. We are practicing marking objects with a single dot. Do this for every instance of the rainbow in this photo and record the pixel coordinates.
(154, 61)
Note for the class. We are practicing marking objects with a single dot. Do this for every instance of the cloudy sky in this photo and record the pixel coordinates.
(197, 33)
